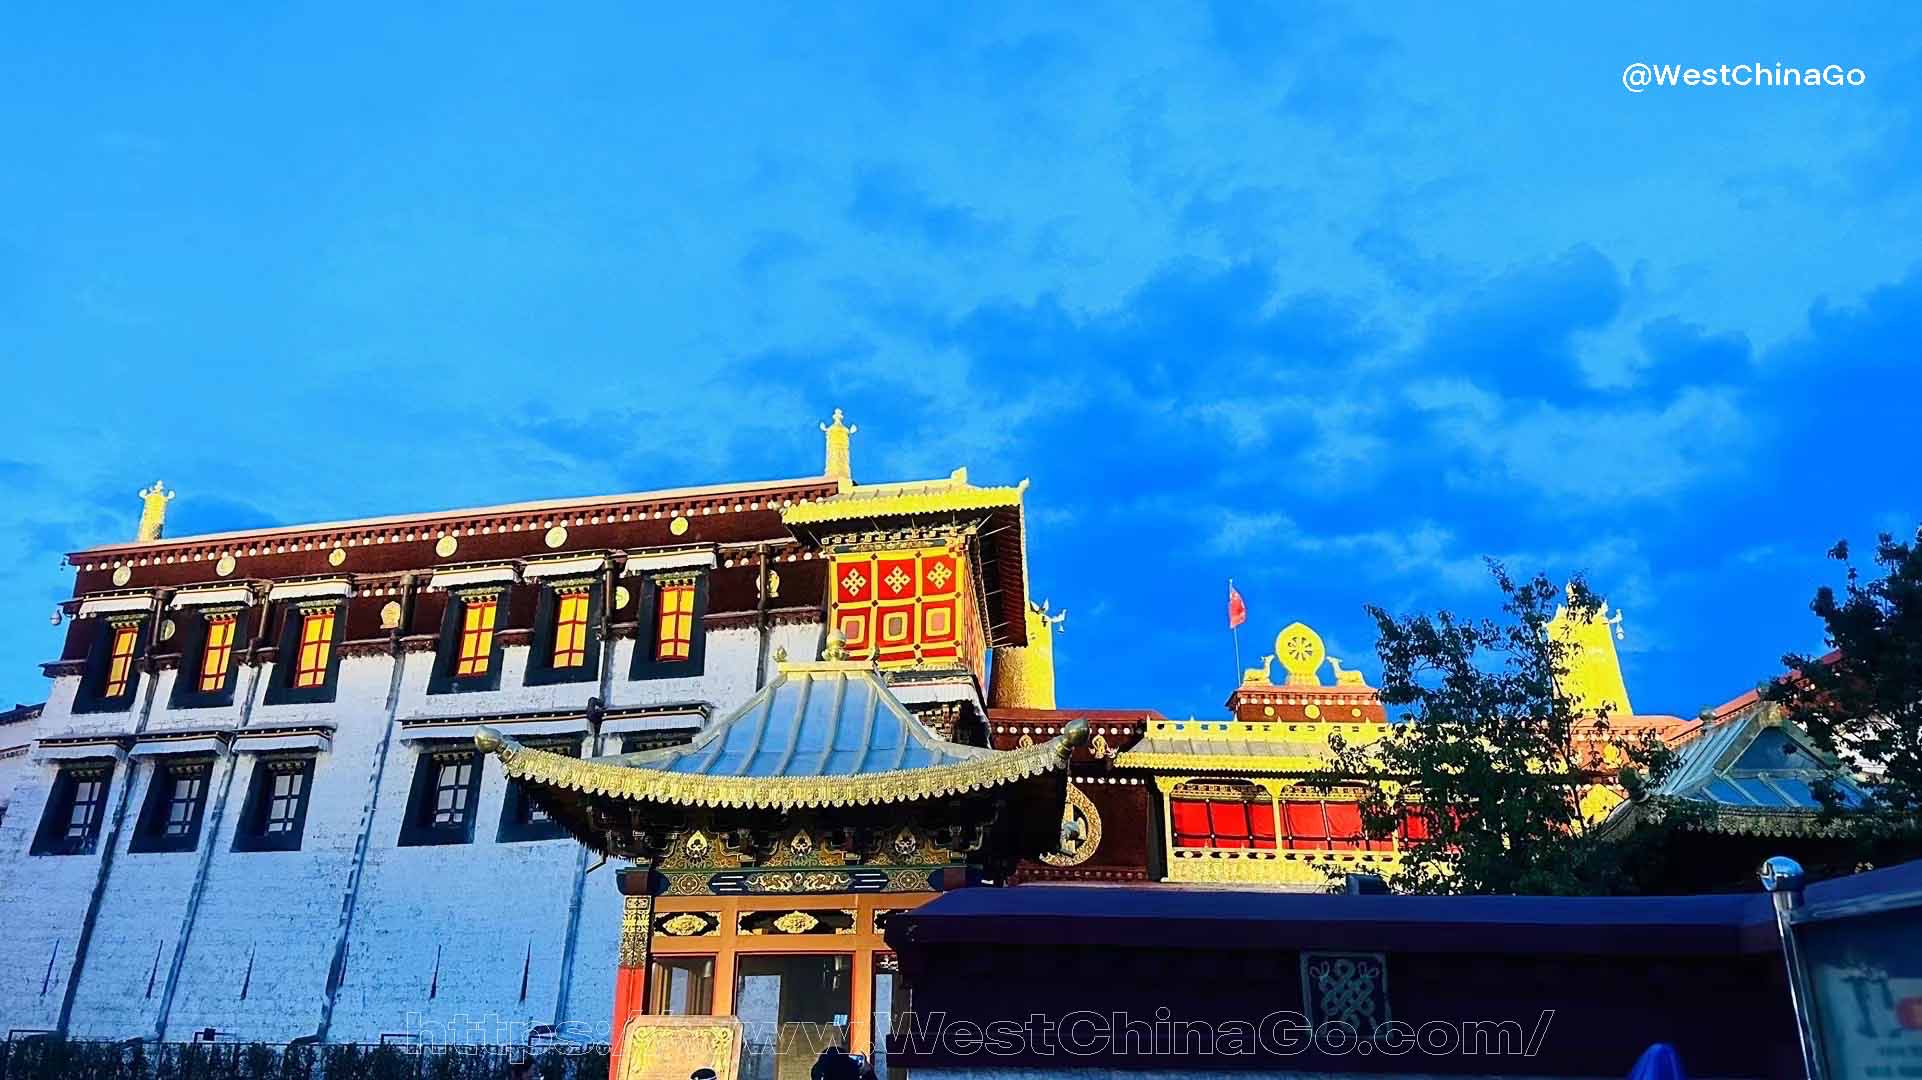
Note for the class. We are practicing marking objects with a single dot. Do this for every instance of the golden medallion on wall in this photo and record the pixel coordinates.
(390, 615)
(1080, 831)
(122, 575)
(446, 546)
(556, 536)
(225, 566)
(678, 526)
(337, 556)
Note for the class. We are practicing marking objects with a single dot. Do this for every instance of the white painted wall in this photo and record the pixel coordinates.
(265, 928)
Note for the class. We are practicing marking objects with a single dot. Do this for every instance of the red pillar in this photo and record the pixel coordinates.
(630, 979)
(630, 998)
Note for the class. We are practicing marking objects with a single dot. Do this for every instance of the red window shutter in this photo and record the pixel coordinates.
(1414, 823)
(1191, 823)
(1230, 822)
(1261, 825)
(1344, 826)
(1306, 829)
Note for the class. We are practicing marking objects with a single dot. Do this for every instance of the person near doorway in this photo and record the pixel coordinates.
(833, 1064)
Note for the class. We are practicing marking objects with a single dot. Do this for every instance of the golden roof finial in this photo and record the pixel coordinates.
(1023, 675)
(1592, 676)
(839, 466)
(153, 512)
(837, 646)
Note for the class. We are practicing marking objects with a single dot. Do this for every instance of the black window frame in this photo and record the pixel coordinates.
(447, 654)
(90, 696)
(281, 689)
(517, 809)
(417, 828)
(193, 640)
(252, 834)
(639, 742)
(540, 653)
(150, 833)
(51, 837)
(647, 630)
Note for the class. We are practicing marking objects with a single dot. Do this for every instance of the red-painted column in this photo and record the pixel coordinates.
(630, 981)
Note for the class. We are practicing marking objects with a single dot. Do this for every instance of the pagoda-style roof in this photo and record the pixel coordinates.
(819, 735)
(1754, 771)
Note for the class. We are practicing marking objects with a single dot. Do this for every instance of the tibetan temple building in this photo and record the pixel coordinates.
(683, 753)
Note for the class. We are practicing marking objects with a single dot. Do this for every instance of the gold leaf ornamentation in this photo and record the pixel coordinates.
(1080, 831)
(782, 792)
(796, 922)
(637, 918)
(687, 924)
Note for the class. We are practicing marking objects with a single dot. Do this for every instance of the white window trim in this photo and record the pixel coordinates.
(643, 562)
(479, 575)
(224, 594)
(299, 590)
(591, 564)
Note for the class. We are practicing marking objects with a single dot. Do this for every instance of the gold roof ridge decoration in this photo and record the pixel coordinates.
(432, 518)
(780, 792)
(1592, 678)
(153, 512)
(904, 498)
(839, 465)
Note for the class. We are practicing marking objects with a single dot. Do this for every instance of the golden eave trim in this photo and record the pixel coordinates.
(940, 497)
(780, 792)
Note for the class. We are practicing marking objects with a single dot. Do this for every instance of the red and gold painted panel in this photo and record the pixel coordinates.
(900, 607)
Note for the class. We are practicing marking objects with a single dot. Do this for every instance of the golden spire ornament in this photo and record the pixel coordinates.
(153, 512)
(839, 466)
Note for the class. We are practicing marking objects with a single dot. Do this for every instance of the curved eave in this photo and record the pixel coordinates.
(644, 785)
(1780, 822)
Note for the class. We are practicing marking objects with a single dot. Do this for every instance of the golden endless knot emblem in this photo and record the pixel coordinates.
(897, 580)
(853, 581)
(940, 574)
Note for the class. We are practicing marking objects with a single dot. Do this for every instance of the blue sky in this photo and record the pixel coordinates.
(1334, 301)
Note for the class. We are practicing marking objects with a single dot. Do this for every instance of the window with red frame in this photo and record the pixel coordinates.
(674, 638)
(476, 636)
(217, 653)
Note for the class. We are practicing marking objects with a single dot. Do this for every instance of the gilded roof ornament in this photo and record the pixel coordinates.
(1592, 676)
(1301, 652)
(839, 464)
(153, 512)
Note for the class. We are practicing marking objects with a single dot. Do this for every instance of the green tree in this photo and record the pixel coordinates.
(1490, 752)
(1863, 701)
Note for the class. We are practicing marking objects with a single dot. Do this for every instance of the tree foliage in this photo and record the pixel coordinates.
(1863, 701)
(1491, 752)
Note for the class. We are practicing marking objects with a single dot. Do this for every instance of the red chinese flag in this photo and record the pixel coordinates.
(1237, 609)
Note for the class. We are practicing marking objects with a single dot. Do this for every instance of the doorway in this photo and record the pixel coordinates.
(791, 1008)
